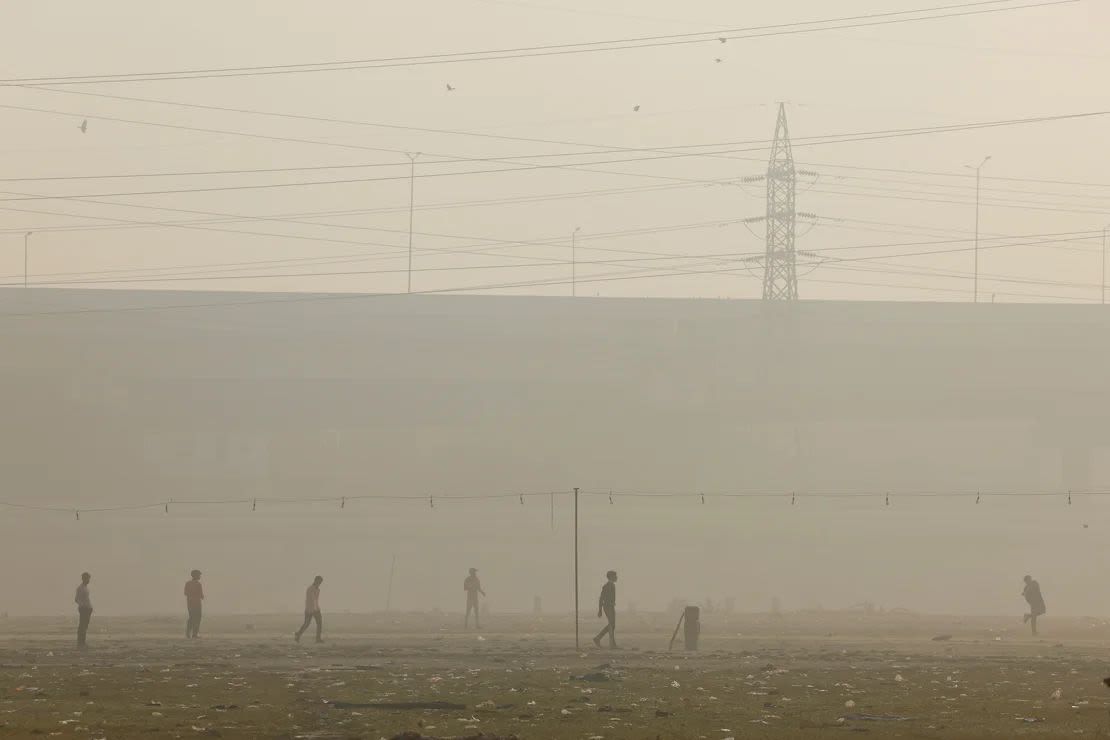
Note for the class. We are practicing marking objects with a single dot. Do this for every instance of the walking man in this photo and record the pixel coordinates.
(312, 610)
(84, 610)
(194, 595)
(607, 605)
(1032, 594)
(473, 587)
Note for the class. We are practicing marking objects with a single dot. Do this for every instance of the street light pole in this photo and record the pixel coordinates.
(1104, 228)
(26, 252)
(412, 201)
(574, 261)
(977, 177)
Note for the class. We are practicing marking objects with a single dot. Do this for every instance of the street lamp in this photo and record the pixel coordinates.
(574, 261)
(412, 191)
(1104, 228)
(26, 252)
(977, 171)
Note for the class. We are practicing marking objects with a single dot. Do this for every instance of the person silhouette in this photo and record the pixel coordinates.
(312, 610)
(194, 595)
(473, 587)
(607, 605)
(84, 609)
(1032, 594)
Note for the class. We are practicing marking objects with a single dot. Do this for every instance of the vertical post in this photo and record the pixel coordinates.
(576, 638)
(1104, 265)
(574, 261)
(552, 512)
(412, 191)
(977, 170)
(26, 252)
(389, 591)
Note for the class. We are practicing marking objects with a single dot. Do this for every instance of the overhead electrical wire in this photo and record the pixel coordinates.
(171, 505)
(782, 29)
(454, 132)
(805, 141)
(289, 299)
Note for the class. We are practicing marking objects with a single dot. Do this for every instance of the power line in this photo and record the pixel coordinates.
(805, 141)
(669, 150)
(201, 272)
(693, 496)
(782, 29)
(562, 142)
(490, 286)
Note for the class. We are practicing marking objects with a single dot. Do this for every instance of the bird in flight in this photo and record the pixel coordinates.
(718, 60)
(84, 125)
(722, 39)
(449, 88)
(635, 109)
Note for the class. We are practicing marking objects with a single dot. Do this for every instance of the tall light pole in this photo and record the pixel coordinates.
(27, 251)
(978, 170)
(574, 261)
(1104, 228)
(412, 201)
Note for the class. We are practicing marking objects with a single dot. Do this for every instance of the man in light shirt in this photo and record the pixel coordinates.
(312, 610)
(84, 609)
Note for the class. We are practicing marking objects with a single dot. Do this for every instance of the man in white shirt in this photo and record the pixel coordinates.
(84, 609)
(312, 610)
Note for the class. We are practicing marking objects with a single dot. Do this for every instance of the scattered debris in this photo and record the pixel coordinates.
(594, 677)
(479, 736)
(441, 705)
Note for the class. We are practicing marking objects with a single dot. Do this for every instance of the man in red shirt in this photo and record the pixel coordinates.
(194, 595)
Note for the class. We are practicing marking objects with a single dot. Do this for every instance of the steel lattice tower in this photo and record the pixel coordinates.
(780, 278)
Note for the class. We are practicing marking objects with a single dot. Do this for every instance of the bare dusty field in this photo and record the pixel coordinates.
(805, 675)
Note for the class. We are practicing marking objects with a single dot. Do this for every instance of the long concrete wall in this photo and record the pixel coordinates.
(436, 393)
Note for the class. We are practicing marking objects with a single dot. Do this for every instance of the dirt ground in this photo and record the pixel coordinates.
(805, 675)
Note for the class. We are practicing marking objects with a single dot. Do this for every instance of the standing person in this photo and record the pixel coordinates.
(84, 609)
(473, 587)
(1032, 594)
(607, 605)
(312, 610)
(194, 595)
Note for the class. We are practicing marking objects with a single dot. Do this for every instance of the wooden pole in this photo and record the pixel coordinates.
(389, 591)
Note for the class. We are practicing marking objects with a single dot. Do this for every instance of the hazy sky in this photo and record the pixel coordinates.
(1043, 61)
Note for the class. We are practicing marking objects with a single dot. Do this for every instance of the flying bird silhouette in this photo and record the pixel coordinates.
(449, 88)
(84, 125)
(718, 60)
(636, 109)
(722, 39)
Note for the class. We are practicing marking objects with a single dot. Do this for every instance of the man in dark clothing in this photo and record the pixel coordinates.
(607, 605)
(194, 595)
(84, 609)
(473, 587)
(312, 610)
(1032, 594)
